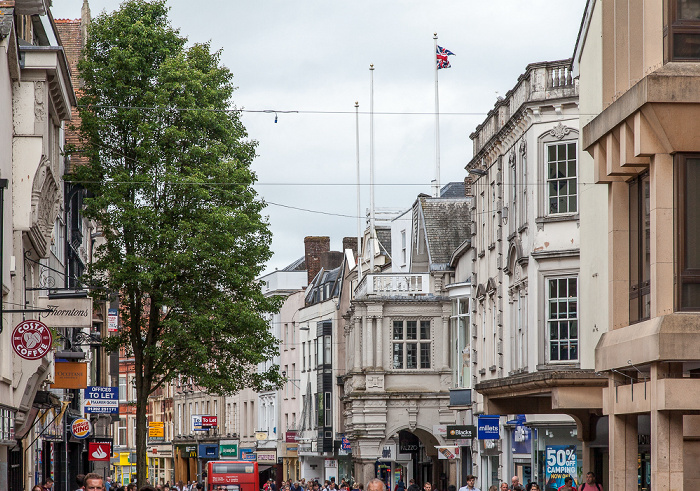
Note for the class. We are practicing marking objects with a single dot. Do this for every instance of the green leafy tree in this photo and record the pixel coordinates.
(168, 174)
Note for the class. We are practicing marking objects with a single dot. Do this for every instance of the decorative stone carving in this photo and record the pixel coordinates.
(559, 131)
(45, 205)
(39, 105)
(523, 147)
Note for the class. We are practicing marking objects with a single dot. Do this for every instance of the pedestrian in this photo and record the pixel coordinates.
(376, 485)
(493, 487)
(427, 486)
(400, 486)
(412, 486)
(534, 486)
(471, 479)
(515, 484)
(93, 482)
(48, 484)
(37, 488)
(504, 486)
(590, 483)
(568, 484)
(80, 481)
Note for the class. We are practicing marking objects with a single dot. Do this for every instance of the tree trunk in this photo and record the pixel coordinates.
(141, 428)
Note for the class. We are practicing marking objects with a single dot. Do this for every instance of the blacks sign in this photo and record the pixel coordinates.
(458, 432)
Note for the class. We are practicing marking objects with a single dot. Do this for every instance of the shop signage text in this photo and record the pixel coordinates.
(31, 340)
(455, 432)
(101, 400)
(489, 427)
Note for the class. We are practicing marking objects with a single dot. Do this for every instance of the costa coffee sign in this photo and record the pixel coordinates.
(31, 339)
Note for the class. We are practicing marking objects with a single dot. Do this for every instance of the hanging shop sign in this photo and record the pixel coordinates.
(489, 427)
(70, 375)
(455, 432)
(266, 456)
(101, 400)
(99, 451)
(81, 428)
(448, 453)
(31, 339)
(67, 312)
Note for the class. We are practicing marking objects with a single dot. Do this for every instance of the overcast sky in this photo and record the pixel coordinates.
(314, 57)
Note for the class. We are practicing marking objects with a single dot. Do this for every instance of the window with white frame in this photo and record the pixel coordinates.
(562, 196)
(403, 247)
(411, 342)
(461, 347)
(562, 318)
(122, 388)
(121, 432)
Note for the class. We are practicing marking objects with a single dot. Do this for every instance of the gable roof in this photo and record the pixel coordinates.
(445, 223)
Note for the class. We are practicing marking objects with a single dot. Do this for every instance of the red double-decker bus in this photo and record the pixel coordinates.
(232, 475)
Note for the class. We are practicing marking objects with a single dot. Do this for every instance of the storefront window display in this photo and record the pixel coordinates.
(560, 447)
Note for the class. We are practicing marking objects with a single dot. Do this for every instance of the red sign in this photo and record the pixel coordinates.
(209, 421)
(31, 339)
(290, 437)
(99, 451)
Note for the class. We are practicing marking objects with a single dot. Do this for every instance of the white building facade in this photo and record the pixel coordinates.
(527, 343)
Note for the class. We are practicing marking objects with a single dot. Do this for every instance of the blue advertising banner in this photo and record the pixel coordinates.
(248, 454)
(489, 427)
(560, 463)
(101, 400)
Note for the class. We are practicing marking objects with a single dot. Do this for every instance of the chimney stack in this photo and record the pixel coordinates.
(350, 243)
(314, 247)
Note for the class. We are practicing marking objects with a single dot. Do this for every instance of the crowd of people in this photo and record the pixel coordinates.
(95, 482)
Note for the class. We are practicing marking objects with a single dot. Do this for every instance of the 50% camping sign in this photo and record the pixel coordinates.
(560, 463)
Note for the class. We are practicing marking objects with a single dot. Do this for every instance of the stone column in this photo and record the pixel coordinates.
(666, 439)
(366, 343)
(445, 339)
(357, 334)
(618, 254)
(623, 447)
(661, 195)
(378, 358)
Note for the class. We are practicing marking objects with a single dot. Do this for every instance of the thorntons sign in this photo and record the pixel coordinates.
(66, 312)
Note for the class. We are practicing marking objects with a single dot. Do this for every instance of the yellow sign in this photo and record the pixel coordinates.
(124, 458)
(156, 429)
(261, 435)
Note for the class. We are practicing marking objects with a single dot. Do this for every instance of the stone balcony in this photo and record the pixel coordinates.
(407, 285)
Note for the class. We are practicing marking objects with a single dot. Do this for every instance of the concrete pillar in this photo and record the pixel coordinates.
(666, 436)
(618, 254)
(661, 195)
(587, 461)
(623, 452)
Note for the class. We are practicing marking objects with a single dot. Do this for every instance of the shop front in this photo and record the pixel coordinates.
(186, 456)
(160, 463)
(290, 462)
(267, 465)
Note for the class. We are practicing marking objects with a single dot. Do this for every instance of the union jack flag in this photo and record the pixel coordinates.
(442, 54)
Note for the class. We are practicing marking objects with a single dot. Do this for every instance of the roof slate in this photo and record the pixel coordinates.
(446, 222)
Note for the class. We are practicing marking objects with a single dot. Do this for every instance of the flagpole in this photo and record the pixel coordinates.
(436, 189)
(371, 167)
(359, 217)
